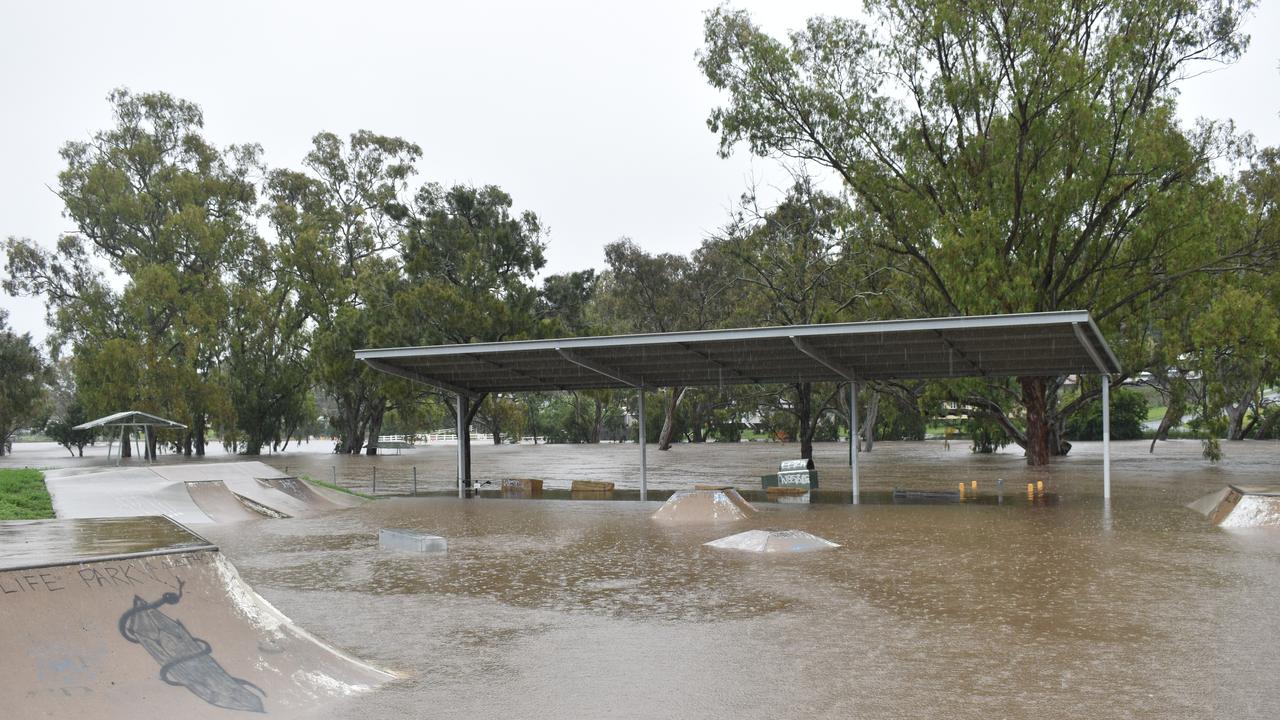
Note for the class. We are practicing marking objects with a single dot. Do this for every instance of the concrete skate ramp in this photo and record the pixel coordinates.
(167, 629)
(695, 507)
(251, 480)
(299, 490)
(220, 504)
(1241, 506)
(121, 492)
(773, 541)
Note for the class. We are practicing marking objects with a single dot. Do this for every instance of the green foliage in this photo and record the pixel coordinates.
(339, 224)
(587, 416)
(1128, 413)
(900, 421)
(986, 436)
(469, 261)
(171, 215)
(1030, 164)
(23, 495)
(61, 429)
(23, 375)
(564, 303)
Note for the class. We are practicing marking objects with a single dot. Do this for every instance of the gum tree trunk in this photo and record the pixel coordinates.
(1036, 402)
(806, 422)
(674, 396)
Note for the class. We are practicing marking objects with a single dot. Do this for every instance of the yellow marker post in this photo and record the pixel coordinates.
(1040, 486)
(961, 491)
(974, 485)
(1031, 490)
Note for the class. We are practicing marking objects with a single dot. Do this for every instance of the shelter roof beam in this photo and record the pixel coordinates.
(599, 369)
(822, 359)
(420, 378)
(1088, 346)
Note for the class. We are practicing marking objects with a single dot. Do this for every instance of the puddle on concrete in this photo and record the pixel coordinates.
(557, 608)
(32, 543)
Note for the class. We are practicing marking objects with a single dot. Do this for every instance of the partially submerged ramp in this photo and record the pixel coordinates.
(773, 541)
(695, 507)
(260, 483)
(222, 505)
(142, 618)
(1241, 506)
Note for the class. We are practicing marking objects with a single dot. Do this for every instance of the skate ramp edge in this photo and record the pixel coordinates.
(223, 506)
(170, 630)
(695, 507)
(1241, 506)
(773, 541)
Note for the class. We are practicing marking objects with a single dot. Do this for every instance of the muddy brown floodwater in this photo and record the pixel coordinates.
(587, 609)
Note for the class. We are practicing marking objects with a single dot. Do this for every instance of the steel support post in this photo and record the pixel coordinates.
(461, 407)
(644, 471)
(853, 439)
(1106, 437)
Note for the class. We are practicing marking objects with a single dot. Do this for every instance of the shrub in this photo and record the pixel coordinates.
(1128, 412)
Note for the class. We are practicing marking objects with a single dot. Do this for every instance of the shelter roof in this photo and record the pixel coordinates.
(1031, 344)
(132, 418)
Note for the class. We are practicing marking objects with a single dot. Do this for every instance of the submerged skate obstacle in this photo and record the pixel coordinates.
(411, 541)
(1241, 506)
(773, 541)
(525, 485)
(694, 507)
(140, 617)
(792, 474)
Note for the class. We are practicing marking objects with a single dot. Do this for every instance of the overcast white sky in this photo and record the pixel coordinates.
(592, 113)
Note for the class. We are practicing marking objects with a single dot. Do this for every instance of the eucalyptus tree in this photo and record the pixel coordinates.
(664, 292)
(565, 301)
(338, 224)
(1020, 156)
(266, 369)
(23, 375)
(799, 263)
(469, 260)
(172, 216)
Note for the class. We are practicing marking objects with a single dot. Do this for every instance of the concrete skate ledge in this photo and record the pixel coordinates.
(29, 544)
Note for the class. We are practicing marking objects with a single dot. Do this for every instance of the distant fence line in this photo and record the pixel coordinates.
(444, 436)
(374, 480)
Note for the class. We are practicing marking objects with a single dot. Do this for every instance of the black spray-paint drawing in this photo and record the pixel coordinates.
(186, 660)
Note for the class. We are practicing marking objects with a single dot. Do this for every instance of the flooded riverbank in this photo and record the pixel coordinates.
(560, 608)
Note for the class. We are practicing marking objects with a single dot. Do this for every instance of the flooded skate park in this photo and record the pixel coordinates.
(1037, 607)
(1045, 604)
(714, 580)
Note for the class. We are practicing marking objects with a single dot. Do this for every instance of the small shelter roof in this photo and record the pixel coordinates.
(132, 418)
(1049, 344)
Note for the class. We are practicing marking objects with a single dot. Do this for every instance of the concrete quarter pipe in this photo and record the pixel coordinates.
(166, 627)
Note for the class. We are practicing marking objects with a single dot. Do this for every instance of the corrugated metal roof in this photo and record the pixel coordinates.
(1054, 343)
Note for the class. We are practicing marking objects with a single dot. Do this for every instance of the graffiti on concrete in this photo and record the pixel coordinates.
(186, 660)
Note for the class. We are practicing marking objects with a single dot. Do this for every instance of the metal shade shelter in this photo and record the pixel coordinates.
(127, 419)
(1032, 344)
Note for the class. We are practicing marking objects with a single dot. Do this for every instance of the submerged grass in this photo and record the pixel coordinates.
(23, 495)
(339, 488)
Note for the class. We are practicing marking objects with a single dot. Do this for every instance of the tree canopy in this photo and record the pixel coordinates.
(949, 158)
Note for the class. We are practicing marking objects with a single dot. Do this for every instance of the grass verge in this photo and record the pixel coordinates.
(23, 495)
(339, 488)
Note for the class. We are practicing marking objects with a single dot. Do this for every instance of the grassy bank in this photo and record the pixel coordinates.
(23, 495)
(339, 488)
